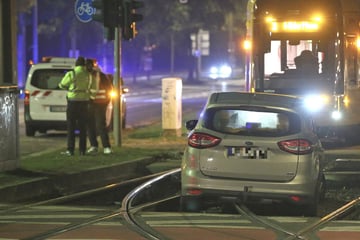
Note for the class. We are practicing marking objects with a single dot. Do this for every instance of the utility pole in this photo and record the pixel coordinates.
(118, 86)
(9, 130)
(8, 44)
(119, 17)
(35, 48)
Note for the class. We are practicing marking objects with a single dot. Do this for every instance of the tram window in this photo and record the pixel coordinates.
(321, 46)
(294, 42)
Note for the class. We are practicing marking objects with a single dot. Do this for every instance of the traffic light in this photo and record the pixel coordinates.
(98, 6)
(130, 17)
(108, 12)
(109, 33)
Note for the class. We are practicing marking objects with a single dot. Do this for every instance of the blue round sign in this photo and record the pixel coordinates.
(84, 10)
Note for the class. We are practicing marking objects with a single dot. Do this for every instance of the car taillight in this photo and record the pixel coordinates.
(296, 146)
(202, 140)
(196, 192)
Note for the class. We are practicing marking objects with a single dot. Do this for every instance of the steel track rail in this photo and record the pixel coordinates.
(129, 211)
(266, 223)
(324, 220)
(73, 226)
(80, 194)
(89, 221)
(307, 230)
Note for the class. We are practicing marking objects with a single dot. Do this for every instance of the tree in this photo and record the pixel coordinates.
(23, 10)
(180, 20)
(166, 27)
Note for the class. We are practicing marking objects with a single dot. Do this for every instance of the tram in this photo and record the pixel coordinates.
(310, 49)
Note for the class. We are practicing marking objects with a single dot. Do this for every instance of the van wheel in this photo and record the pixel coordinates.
(30, 132)
(123, 121)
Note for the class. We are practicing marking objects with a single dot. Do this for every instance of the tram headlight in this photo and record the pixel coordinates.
(346, 101)
(336, 115)
(315, 102)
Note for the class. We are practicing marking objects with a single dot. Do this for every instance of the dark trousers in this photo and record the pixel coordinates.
(77, 114)
(97, 124)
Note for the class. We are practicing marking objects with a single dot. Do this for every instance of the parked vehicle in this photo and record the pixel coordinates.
(44, 103)
(222, 71)
(252, 147)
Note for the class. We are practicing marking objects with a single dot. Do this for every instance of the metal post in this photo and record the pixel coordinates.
(198, 47)
(35, 33)
(9, 112)
(117, 111)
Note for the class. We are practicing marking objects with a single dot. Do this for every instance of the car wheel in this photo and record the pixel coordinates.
(30, 132)
(322, 188)
(311, 209)
(306, 210)
(190, 204)
(228, 208)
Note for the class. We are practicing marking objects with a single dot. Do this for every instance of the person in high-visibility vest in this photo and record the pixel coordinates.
(78, 83)
(100, 98)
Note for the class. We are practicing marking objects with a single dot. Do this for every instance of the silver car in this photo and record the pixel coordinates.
(252, 147)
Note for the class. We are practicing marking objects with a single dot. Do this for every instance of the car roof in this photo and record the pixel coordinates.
(62, 60)
(259, 99)
(54, 63)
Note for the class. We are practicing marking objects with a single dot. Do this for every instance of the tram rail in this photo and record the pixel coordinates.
(129, 210)
(157, 189)
(72, 197)
(129, 213)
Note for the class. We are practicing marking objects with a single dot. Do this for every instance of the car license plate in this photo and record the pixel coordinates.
(247, 152)
(57, 108)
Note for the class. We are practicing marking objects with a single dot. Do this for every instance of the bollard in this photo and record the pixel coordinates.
(171, 106)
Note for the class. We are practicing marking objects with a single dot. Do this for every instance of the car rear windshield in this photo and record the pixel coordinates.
(47, 78)
(252, 121)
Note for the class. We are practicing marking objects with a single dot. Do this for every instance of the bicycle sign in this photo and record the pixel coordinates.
(84, 10)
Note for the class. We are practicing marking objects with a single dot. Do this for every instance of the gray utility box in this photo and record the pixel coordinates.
(9, 130)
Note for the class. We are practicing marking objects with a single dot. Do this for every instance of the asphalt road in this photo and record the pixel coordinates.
(175, 226)
(144, 107)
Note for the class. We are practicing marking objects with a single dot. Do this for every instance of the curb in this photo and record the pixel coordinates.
(56, 186)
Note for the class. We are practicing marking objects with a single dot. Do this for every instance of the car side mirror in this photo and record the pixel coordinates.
(190, 125)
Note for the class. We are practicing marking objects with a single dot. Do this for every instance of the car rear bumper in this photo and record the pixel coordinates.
(47, 125)
(251, 197)
(299, 190)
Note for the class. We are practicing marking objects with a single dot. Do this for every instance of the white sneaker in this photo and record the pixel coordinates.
(92, 149)
(107, 150)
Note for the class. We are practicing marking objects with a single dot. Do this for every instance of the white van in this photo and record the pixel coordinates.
(44, 103)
